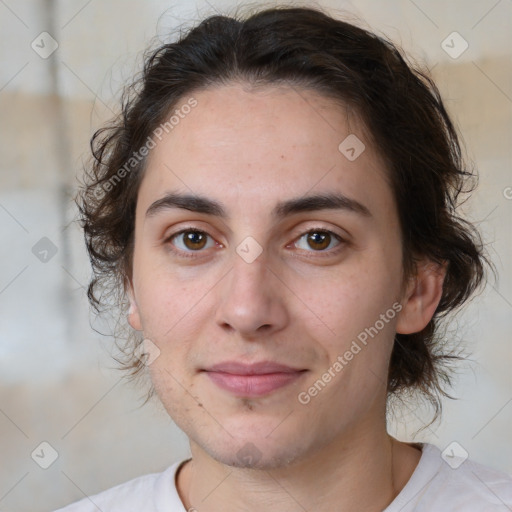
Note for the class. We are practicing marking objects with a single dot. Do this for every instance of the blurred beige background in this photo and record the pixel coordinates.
(57, 384)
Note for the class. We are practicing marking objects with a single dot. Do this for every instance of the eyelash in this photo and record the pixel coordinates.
(190, 254)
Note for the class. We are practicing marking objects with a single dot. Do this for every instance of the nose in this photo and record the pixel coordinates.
(252, 299)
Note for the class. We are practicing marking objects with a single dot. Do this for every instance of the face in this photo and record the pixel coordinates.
(271, 317)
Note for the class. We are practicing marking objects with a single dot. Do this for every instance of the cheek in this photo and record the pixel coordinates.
(168, 298)
(175, 310)
(357, 310)
(350, 299)
(178, 394)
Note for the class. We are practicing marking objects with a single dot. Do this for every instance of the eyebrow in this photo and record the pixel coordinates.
(200, 204)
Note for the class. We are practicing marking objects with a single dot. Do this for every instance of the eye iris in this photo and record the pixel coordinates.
(195, 238)
(322, 240)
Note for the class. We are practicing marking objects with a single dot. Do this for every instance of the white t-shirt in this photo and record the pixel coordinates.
(433, 487)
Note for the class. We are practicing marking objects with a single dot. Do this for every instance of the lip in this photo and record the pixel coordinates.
(252, 380)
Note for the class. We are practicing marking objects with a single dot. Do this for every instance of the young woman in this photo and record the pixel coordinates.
(276, 209)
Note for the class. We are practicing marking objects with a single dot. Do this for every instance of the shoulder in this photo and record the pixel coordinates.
(445, 481)
(472, 483)
(147, 493)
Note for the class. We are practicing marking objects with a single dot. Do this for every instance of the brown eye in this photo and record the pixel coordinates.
(191, 240)
(318, 240)
(194, 240)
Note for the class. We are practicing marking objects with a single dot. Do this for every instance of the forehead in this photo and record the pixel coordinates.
(256, 147)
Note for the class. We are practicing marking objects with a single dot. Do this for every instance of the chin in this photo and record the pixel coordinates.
(255, 450)
(253, 456)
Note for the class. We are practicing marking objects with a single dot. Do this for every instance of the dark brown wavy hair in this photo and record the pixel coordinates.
(399, 105)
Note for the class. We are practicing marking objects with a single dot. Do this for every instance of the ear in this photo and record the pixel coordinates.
(421, 297)
(133, 313)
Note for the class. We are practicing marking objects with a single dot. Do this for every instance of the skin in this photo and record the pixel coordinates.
(298, 303)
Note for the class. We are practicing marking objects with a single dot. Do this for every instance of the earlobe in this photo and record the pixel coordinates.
(421, 297)
(133, 312)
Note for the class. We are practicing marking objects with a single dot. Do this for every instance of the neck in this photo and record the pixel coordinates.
(362, 471)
